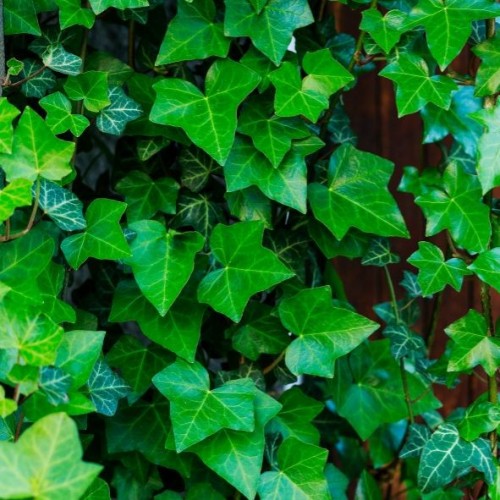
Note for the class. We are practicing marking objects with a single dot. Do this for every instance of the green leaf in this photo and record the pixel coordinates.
(198, 412)
(37, 80)
(103, 238)
(59, 117)
(46, 462)
(62, 206)
(145, 197)
(480, 417)
(448, 24)
(246, 268)
(209, 120)
(367, 487)
(193, 34)
(308, 97)
(458, 208)
(250, 204)
(196, 168)
(7, 406)
(98, 490)
(379, 254)
(71, 13)
(99, 6)
(434, 272)
(324, 332)
(106, 388)
(121, 110)
(385, 30)
(14, 66)
(36, 151)
(356, 195)
(471, 344)
(162, 261)
(403, 340)
(272, 28)
(445, 457)
(57, 58)
(178, 331)
(416, 85)
(417, 437)
(9, 112)
(20, 18)
(16, 194)
(487, 268)
(300, 473)
(91, 87)
(296, 416)
(488, 74)
(54, 383)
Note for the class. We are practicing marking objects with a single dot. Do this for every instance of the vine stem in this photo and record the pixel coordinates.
(274, 364)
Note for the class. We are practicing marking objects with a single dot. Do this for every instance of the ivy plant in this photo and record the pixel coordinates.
(177, 181)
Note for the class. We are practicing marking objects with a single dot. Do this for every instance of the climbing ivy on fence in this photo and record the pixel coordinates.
(176, 178)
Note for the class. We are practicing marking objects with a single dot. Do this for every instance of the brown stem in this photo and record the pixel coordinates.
(26, 79)
(274, 364)
(19, 426)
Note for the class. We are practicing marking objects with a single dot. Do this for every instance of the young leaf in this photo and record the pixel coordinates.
(272, 28)
(487, 267)
(356, 195)
(193, 34)
(9, 112)
(246, 268)
(91, 87)
(16, 194)
(385, 30)
(46, 462)
(122, 109)
(434, 272)
(324, 332)
(471, 344)
(198, 412)
(103, 238)
(209, 120)
(480, 417)
(162, 261)
(488, 75)
(59, 117)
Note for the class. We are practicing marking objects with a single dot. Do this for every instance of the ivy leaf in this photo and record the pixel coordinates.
(106, 388)
(103, 238)
(146, 197)
(37, 80)
(162, 261)
(379, 254)
(299, 475)
(9, 112)
(99, 6)
(121, 110)
(246, 268)
(46, 462)
(367, 487)
(54, 383)
(385, 30)
(208, 120)
(198, 412)
(7, 406)
(458, 208)
(471, 344)
(324, 332)
(196, 168)
(62, 206)
(308, 97)
(16, 194)
(411, 285)
(448, 24)
(434, 272)
(488, 74)
(403, 340)
(59, 117)
(57, 58)
(20, 18)
(193, 34)
(418, 435)
(272, 28)
(72, 13)
(445, 456)
(356, 195)
(416, 87)
(487, 268)
(37, 151)
(480, 417)
(91, 87)
(250, 204)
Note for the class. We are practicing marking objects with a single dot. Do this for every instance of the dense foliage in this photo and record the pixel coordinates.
(176, 178)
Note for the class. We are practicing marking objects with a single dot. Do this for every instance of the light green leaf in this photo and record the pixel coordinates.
(121, 110)
(488, 74)
(99, 6)
(471, 344)
(272, 28)
(209, 120)
(103, 238)
(16, 194)
(145, 197)
(324, 332)
(487, 267)
(300, 473)
(246, 268)
(458, 208)
(434, 272)
(385, 30)
(37, 151)
(14, 66)
(7, 405)
(45, 463)
(416, 85)
(356, 195)
(9, 112)
(20, 17)
(162, 261)
(91, 87)
(309, 96)
(198, 412)
(72, 13)
(106, 388)
(480, 417)
(193, 34)
(57, 58)
(448, 24)
(59, 117)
